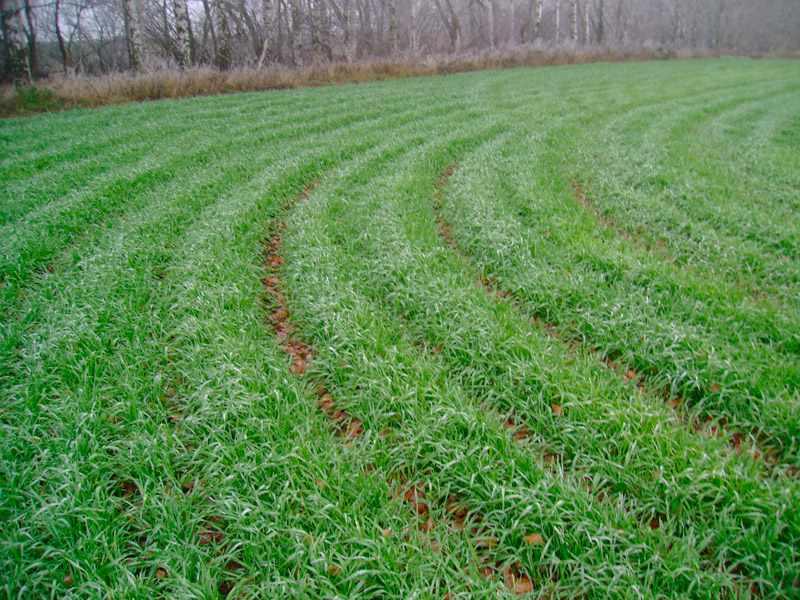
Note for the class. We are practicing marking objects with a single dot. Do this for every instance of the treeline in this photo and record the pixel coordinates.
(101, 36)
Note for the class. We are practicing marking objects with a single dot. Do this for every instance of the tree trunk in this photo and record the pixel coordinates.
(224, 53)
(537, 26)
(493, 23)
(311, 19)
(573, 21)
(625, 23)
(586, 32)
(296, 30)
(451, 23)
(414, 25)
(320, 27)
(184, 43)
(269, 11)
(15, 42)
(166, 35)
(241, 14)
(133, 25)
(601, 23)
(394, 32)
(34, 62)
(558, 19)
(208, 25)
(366, 36)
(527, 23)
(622, 22)
(281, 29)
(350, 39)
(475, 24)
(66, 53)
(678, 28)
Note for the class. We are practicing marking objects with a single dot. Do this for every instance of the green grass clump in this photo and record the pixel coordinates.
(29, 101)
(156, 444)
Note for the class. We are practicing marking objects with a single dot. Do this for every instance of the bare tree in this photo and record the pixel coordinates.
(16, 49)
(93, 35)
(223, 54)
(601, 22)
(415, 29)
(586, 39)
(66, 50)
(573, 21)
(450, 22)
(183, 34)
(295, 32)
(133, 26)
(31, 33)
(719, 31)
(622, 20)
(493, 10)
(394, 32)
(531, 21)
(558, 20)
(269, 15)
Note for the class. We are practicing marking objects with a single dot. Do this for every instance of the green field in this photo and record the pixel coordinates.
(543, 338)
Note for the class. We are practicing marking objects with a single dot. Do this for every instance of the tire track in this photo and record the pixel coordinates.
(350, 428)
(288, 332)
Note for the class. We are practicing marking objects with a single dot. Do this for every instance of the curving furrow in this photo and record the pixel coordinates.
(522, 432)
(487, 366)
(162, 279)
(726, 356)
(288, 332)
(473, 453)
(446, 516)
(37, 241)
(696, 184)
(421, 424)
(407, 484)
(376, 218)
(707, 424)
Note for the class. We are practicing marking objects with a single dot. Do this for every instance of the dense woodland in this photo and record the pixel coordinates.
(41, 37)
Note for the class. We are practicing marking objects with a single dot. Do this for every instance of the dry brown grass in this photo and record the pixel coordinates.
(60, 92)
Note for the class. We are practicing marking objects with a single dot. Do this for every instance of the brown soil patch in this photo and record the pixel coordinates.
(289, 333)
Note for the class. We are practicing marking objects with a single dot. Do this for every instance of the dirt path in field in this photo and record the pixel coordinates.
(350, 429)
(292, 342)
